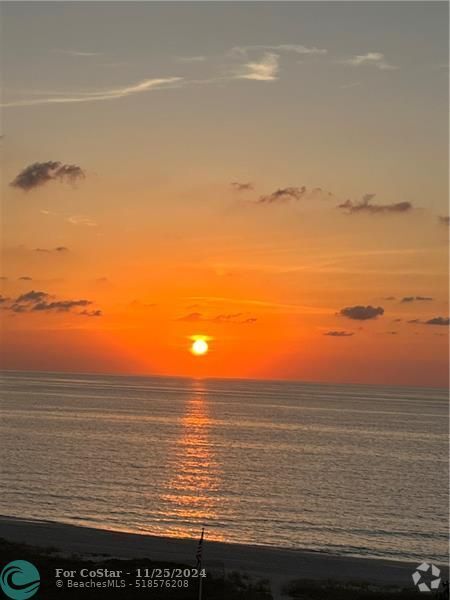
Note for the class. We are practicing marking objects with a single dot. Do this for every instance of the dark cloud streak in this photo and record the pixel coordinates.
(37, 301)
(407, 299)
(362, 313)
(339, 333)
(38, 174)
(443, 321)
(365, 206)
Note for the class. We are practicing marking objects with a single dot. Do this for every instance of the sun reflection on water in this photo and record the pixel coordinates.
(192, 491)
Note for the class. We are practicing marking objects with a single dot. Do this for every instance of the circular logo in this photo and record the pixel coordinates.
(20, 580)
(427, 577)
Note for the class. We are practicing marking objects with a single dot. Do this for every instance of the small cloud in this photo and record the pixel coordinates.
(413, 321)
(284, 195)
(81, 220)
(39, 174)
(365, 206)
(58, 249)
(234, 318)
(362, 313)
(294, 48)
(25, 278)
(3, 278)
(242, 187)
(295, 193)
(339, 333)
(392, 332)
(389, 298)
(195, 316)
(264, 70)
(371, 59)
(407, 299)
(444, 321)
(80, 53)
(444, 220)
(226, 318)
(31, 297)
(91, 313)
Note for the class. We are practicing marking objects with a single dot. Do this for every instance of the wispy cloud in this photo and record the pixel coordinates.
(371, 59)
(58, 249)
(295, 48)
(365, 206)
(231, 318)
(283, 195)
(242, 186)
(340, 333)
(79, 53)
(81, 220)
(140, 87)
(266, 69)
(293, 193)
(444, 220)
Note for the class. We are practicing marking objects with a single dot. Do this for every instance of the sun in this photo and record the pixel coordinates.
(199, 347)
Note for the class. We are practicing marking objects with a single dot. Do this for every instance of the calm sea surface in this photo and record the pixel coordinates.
(351, 469)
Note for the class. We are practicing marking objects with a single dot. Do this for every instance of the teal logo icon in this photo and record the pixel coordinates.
(20, 580)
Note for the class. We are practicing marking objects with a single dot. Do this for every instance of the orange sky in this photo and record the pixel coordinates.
(151, 233)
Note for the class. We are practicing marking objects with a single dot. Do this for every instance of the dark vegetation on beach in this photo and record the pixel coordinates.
(306, 589)
(218, 585)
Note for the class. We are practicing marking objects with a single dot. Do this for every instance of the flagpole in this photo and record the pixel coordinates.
(199, 564)
(200, 588)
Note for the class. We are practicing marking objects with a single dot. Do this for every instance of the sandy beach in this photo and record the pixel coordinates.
(278, 565)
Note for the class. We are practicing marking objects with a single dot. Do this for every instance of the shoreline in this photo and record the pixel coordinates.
(276, 564)
(6, 519)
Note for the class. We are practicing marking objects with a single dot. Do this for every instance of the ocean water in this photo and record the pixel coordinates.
(347, 469)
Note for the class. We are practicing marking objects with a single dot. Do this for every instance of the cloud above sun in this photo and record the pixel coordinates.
(39, 301)
(41, 173)
(232, 318)
(362, 313)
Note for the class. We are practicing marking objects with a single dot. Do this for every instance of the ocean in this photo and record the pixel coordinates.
(348, 469)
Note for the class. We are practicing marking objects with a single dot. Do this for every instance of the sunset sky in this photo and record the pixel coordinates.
(271, 176)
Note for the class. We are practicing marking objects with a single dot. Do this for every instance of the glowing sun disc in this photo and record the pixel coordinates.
(199, 347)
